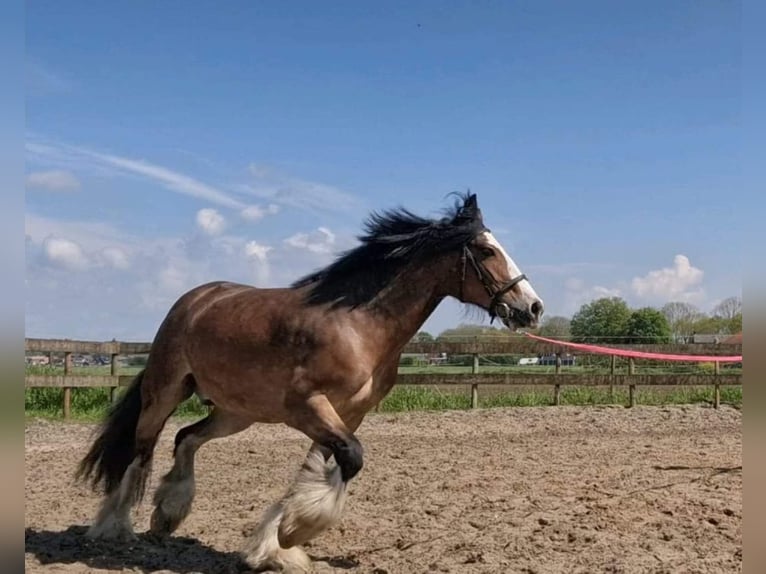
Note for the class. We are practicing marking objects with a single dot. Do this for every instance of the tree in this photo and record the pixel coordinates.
(717, 325)
(423, 337)
(555, 327)
(602, 320)
(729, 308)
(681, 317)
(647, 325)
(735, 323)
(468, 331)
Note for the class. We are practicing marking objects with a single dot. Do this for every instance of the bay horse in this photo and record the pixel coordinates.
(316, 356)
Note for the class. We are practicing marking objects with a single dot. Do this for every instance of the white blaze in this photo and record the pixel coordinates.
(528, 294)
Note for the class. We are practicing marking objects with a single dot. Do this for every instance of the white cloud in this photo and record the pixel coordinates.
(577, 293)
(175, 181)
(53, 180)
(681, 282)
(210, 221)
(260, 171)
(145, 274)
(284, 189)
(277, 188)
(257, 254)
(255, 250)
(320, 241)
(64, 253)
(566, 269)
(170, 179)
(256, 212)
(577, 285)
(115, 257)
(91, 235)
(173, 279)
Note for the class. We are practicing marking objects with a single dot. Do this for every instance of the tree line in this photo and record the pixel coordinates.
(611, 320)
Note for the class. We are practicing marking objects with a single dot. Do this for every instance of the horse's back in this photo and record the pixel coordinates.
(232, 314)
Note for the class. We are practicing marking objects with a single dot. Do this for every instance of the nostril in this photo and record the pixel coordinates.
(537, 309)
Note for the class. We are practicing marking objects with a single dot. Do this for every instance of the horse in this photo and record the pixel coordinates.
(316, 355)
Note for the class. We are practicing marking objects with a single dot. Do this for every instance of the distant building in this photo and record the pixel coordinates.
(566, 360)
(707, 338)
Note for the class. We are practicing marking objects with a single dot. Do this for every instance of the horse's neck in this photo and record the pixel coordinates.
(402, 308)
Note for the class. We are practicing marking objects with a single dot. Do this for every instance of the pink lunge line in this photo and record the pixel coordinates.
(640, 354)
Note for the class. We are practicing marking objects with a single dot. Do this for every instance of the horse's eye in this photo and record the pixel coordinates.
(487, 252)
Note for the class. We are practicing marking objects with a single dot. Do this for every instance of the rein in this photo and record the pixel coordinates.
(497, 308)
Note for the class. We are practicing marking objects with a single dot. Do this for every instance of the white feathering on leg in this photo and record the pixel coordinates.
(263, 551)
(314, 502)
(113, 520)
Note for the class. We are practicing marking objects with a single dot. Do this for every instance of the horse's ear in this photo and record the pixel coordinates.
(466, 209)
(470, 207)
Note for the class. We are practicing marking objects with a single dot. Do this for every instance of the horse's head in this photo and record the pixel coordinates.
(491, 279)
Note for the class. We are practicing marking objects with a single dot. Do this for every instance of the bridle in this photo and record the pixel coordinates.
(497, 308)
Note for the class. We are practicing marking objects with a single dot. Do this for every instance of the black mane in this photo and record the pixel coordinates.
(393, 240)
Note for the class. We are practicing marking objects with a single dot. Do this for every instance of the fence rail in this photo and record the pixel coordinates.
(557, 379)
(521, 345)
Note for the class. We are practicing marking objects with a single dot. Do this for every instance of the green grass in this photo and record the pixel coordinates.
(94, 370)
(91, 404)
(416, 398)
(411, 398)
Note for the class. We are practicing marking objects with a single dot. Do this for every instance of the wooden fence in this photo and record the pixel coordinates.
(473, 347)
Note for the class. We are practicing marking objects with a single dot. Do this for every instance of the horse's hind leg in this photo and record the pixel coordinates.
(159, 397)
(173, 498)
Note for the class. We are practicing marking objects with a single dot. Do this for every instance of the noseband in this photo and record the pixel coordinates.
(497, 308)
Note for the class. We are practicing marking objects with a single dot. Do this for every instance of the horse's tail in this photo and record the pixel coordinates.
(114, 448)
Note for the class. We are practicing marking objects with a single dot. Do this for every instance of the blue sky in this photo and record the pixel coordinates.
(169, 144)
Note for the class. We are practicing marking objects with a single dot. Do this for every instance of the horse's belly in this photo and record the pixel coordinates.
(249, 392)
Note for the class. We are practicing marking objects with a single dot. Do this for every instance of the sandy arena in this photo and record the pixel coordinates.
(555, 489)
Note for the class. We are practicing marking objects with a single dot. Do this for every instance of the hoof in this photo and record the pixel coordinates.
(263, 552)
(284, 560)
(172, 504)
(162, 525)
(112, 531)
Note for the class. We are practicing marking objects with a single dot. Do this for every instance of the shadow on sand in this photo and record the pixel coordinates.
(147, 554)
(177, 554)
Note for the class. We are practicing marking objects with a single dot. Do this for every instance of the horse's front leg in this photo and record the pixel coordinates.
(314, 501)
(317, 418)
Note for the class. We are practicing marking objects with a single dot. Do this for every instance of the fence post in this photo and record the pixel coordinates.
(717, 389)
(631, 387)
(113, 371)
(612, 370)
(67, 390)
(475, 386)
(557, 386)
